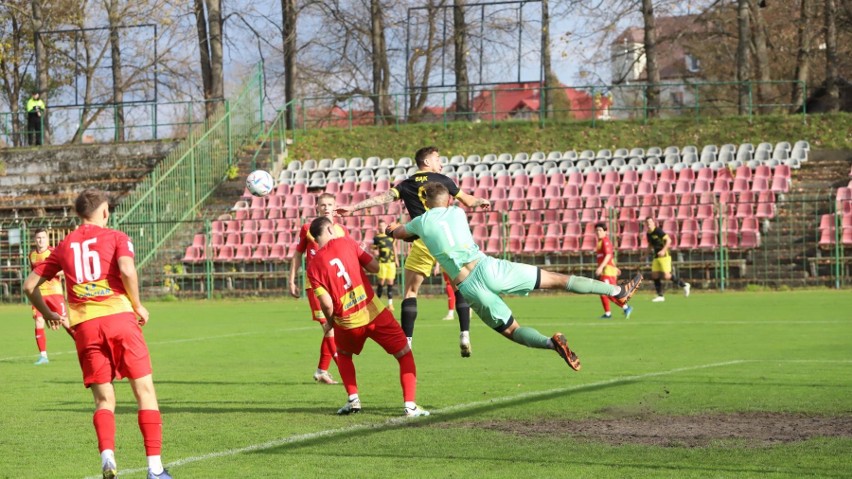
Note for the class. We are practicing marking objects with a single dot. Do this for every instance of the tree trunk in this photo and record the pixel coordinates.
(376, 60)
(742, 55)
(41, 66)
(653, 71)
(289, 13)
(803, 55)
(761, 57)
(417, 98)
(831, 55)
(117, 79)
(547, 90)
(208, 21)
(204, 52)
(460, 60)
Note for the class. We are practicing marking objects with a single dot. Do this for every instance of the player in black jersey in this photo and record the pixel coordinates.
(661, 266)
(419, 263)
(385, 248)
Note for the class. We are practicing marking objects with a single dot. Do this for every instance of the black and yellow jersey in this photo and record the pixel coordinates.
(411, 192)
(657, 239)
(384, 244)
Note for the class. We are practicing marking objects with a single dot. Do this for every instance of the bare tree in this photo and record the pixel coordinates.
(208, 20)
(761, 57)
(460, 53)
(380, 65)
(41, 63)
(653, 78)
(289, 23)
(419, 93)
(743, 35)
(114, 16)
(831, 59)
(803, 54)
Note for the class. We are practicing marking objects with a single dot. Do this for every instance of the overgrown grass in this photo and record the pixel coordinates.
(822, 131)
(233, 375)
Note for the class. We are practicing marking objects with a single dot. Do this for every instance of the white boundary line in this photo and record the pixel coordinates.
(400, 421)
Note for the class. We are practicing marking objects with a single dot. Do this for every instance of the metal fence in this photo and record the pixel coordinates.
(178, 185)
(107, 123)
(526, 102)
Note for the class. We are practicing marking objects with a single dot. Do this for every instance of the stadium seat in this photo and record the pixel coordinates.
(224, 253)
(708, 240)
(689, 226)
(687, 241)
(532, 244)
(780, 184)
(551, 244)
(665, 213)
(750, 240)
(193, 254)
(630, 227)
(629, 242)
(630, 201)
(744, 210)
(266, 238)
(670, 227)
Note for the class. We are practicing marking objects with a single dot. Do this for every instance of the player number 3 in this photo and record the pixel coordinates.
(87, 263)
(341, 272)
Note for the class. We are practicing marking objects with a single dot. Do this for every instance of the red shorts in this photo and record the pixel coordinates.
(56, 303)
(383, 330)
(111, 347)
(316, 310)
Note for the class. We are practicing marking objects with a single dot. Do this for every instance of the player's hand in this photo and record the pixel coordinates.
(598, 271)
(661, 254)
(54, 320)
(295, 290)
(391, 228)
(618, 272)
(485, 205)
(343, 211)
(142, 312)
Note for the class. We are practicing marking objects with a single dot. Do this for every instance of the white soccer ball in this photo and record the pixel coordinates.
(260, 183)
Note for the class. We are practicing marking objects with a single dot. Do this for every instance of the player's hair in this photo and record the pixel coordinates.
(601, 226)
(422, 153)
(88, 201)
(318, 225)
(325, 195)
(39, 230)
(432, 192)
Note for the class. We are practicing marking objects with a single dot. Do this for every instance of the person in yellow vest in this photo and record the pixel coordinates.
(51, 291)
(35, 120)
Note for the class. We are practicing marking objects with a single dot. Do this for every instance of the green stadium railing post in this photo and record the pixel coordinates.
(208, 259)
(493, 109)
(154, 121)
(838, 249)
(229, 139)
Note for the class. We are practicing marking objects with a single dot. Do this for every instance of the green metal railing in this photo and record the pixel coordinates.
(175, 189)
(591, 102)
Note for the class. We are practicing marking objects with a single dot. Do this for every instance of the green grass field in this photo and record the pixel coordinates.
(716, 385)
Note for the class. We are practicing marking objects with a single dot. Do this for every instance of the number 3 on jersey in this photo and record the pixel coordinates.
(87, 263)
(341, 272)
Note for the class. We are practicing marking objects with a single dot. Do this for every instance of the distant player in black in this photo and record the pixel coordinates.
(661, 266)
(385, 248)
(419, 263)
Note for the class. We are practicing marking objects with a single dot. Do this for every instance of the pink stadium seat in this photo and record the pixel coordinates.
(630, 201)
(684, 212)
(607, 189)
(689, 226)
(534, 192)
(217, 239)
(590, 242)
(759, 184)
(348, 187)
(286, 225)
(668, 176)
(275, 202)
(248, 226)
(780, 185)
(709, 225)
(687, 241)
(594, 177)
(669, 199)
(646, 212)
(521, 180)
(551, 244)
(261, 253)
(649, 200)
(571, 215)
(516, 230)
(232, 226)
(726, 174)
(627, 214)
(688, 199)
(484, 182)
(670, 227)
(708, 240)
(589, 190)
(225, 253)
(499, 193)
(731, 240)
(570, 191)
(750, 240)
(503, 181)
(283, 189)
(293, 200)
(278, 252)
(630, 228)
(593, 202)
(750, 224)
(721, 185)
(468, 183)
(532, 216)
(846, 236)
(705, 174)
(267, 238)
(538, 180)
(240, 215)
(629, 242)
(515, 245)
(574, 203)
(704, 211)
(589, 215)
(701, 186)
(765, 205)
(645, 188)
(553, 191)
(762, 171)
(648, 176)
(570, 244)
(554, 229)
(630, 177)
(611, 177)
(557, 179)
(250, 239)
(198, 240)
(782, 171)
(331, 187)
(291, 251)
(552, 216)
(627, 189)
(576, 178)
(573, 229)
(744, 210)
(532, 244)
(743, 172)
(355, 234)
(686, 174)
(493, 246)
(192, 254)
(683, 186)
(516, 192)
(243, 253)
(643, 241)
(273, 214)
(258, 202)
(232, 239)
(664, 187)
(299, 189)
(732, 224)
(257, 213)
(740, 185)
(365, 186)
(665, 213)
(286, 238)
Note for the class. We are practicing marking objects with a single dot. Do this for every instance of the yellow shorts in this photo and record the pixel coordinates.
(387, 271)
(662, 265)
(419, 260)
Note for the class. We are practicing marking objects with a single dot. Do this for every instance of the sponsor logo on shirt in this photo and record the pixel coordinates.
(95, 289)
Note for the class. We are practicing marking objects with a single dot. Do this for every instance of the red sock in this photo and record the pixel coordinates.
(325, 354)
(332, 348)
(408, 376)
(346, 368)
(451, 295)
(104, 421)
(605, 303)
(151, 425)
(41, 340)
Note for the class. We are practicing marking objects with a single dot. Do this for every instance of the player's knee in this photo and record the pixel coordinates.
(402, 352)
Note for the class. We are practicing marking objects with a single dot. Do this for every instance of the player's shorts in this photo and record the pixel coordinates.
(662, 265)
(56, 303)
(492, 277)
(387, 271)
(316, 310)
(110, 348)
(419, 260)
(384, 330)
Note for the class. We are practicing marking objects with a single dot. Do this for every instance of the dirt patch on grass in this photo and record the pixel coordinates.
(755, 429)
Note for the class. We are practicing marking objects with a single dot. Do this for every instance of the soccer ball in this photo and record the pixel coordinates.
(259, 183)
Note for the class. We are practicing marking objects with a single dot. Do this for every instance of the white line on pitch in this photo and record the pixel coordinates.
(400, 421)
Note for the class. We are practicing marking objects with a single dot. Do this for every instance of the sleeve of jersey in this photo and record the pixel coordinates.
(123, 245)
(607, 247)
(364, 257)
(49, 267)
(302, 245)
(313, 279)
(451, 185)
(394, 191)
(415, 226)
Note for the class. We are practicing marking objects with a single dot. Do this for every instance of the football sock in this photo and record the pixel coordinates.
(332, 347)
(658, 285)
(678, 282)
(346, 368)
(408, 376)
(379, 290)
(151, 425)
(530, 337)
(582, 285)
(155, 464)
(463, 309)
(325, 354)
(41, 341)
(605, 303)
(390, 294)
(107, 455)
(104, 421)
(409, 315)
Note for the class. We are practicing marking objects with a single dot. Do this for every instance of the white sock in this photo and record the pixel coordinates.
(625, 307)
(353, 397)
(607, 313)
(155, 464)
(410, 405)
(409, 341)
(464, 335)
(43, 354)
(450, 312)
(321, 371)
(390, 302)
(107, 455)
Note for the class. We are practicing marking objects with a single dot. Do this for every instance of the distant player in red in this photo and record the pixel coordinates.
(450, 291)
(307, 246)
(105, 313)
(607, 272)
(51, 291)
(347, 299)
